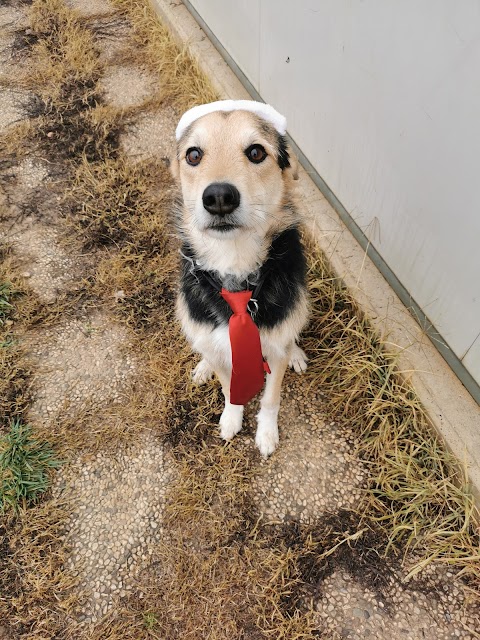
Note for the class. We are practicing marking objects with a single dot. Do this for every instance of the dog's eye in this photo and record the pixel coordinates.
(256, 153)
(194, 155)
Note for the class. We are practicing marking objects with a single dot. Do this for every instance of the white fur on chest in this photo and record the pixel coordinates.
(241, 254)
(214, 344)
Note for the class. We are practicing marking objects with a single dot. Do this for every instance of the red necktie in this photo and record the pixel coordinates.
(248, 365)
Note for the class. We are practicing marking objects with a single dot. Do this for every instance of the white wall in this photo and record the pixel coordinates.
(383, 97)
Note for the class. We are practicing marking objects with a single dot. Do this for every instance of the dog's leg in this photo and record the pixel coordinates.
(298, 359)
(266, 438)
(202, 372)
(232, 416)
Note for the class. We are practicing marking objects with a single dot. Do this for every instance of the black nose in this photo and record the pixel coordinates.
(220, 198)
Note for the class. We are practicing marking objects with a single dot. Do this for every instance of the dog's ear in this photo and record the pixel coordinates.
(294, 165)
(287, 161)
(175, 166)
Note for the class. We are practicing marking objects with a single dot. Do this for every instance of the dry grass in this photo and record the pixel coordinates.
(15, 368)
(37, 596)
(63, 53)
(15, 374)
(117, 203)
(417, 490)
(14, 148)
(220, 571)
(182, 81)
(341, 540)
(67, 121)
(126, 208)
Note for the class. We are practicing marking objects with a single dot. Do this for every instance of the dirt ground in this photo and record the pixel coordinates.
(88, 389)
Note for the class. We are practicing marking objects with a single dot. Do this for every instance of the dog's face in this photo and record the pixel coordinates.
(234, 171)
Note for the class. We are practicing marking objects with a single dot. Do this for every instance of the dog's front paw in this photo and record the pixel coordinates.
(266, 438)
(231, 421)
(298, 359)
(202, 373)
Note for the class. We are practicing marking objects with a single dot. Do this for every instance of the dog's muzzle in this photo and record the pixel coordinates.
(220, 198)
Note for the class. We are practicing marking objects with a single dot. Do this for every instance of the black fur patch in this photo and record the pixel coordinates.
(283, 157)
(284, 278)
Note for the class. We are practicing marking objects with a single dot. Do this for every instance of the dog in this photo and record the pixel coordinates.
(239, 228)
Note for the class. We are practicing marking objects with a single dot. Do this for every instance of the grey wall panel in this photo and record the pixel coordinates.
(239, 25)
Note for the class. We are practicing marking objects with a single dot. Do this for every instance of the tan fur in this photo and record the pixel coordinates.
(266, 195)
(264, 189)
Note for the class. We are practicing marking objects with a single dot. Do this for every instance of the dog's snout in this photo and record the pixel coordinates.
(221, 198)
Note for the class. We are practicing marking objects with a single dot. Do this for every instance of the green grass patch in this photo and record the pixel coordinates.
(149, 620)
(25, 466)
(5, 305)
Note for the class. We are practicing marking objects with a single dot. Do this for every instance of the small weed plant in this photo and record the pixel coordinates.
(149, 620)
(5, 306)
(25, 465)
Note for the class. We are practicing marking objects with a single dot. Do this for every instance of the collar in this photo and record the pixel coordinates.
(252, 305)
(253, 282)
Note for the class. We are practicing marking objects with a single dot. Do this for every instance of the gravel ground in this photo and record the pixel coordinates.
(127, 86)
(81, 365)
(151, 136)
(90, 7)
(11, 106)
(356, 612)
(48, 267)
(118, 501)
(316, 469)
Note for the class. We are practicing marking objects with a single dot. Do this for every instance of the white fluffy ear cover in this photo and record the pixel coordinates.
(261, 109)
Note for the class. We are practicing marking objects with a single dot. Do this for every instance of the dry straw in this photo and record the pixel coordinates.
(182, 81)
(417, 490)
(219, 567)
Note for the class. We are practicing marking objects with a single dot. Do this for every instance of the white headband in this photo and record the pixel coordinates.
(265, 111)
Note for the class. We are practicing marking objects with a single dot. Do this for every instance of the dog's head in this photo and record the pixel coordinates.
(234, 170)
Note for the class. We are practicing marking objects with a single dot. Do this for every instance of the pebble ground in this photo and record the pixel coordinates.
(119, 506)
(48, 266)
(82, 363)
(316, 469)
